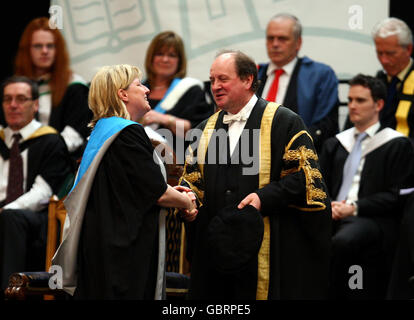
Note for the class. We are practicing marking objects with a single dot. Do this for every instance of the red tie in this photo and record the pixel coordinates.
(271, 96)
(15, 182)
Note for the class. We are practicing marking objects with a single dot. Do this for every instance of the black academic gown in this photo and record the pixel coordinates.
(191, 106)
(118, 249)
(47, 157)
(388, 113)
(23, 232)
(387, 169)
(72, 111)
(300, 239)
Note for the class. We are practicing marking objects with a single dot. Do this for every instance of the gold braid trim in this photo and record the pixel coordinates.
(316, 193)
(303, 155)
(204, 141)
(263, 257)
(192, 177)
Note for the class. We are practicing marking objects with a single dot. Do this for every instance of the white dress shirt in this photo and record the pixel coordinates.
(236, 128)
(38, 196)
(283, 80)
(353, 191)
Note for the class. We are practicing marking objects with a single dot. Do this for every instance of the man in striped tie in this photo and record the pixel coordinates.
(34, 162)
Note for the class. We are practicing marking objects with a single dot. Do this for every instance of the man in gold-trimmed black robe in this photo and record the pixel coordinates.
(276, 170)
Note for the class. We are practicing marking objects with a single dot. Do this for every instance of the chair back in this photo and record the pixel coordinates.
(56, 221)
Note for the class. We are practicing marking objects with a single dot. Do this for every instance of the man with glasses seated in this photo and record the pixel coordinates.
(34, 162)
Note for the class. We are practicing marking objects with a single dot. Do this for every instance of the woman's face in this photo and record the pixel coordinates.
(165, 62)
(42, 51)
(135, 99)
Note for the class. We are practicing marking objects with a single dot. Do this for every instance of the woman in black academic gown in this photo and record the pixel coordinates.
(178, 102)
(120, 251)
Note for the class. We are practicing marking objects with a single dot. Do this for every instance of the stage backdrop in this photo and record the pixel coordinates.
(102, 32)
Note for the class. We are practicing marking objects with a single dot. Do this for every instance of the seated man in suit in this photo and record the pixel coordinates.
(307, 87)
(394, 45)
(364, 168)
(34, 162)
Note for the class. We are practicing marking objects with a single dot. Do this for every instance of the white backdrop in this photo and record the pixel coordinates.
(102, 32)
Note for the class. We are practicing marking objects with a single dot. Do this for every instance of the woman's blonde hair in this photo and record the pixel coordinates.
(103, 93)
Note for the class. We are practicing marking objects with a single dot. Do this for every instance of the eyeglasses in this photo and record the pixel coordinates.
(19, 99)
(39, 46)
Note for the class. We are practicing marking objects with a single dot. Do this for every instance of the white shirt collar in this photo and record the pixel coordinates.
(371, 131)
(288, 68)
(26, 131)
(247, 109)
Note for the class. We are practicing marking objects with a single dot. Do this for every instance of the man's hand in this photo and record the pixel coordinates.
(251, 199)
(190, 213)
(340, 210)
(182, 188)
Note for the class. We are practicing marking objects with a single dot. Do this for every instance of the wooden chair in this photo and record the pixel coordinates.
(23, 285)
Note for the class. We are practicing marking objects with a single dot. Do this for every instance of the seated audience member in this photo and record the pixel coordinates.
(178, 102)
(364, 168)
(307, 87)
(33, 164)
(394, 45)
(63, 100)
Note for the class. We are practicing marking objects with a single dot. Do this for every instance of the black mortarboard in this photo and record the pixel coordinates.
(234, 238)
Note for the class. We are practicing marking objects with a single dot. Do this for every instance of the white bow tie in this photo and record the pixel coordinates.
(230, 118)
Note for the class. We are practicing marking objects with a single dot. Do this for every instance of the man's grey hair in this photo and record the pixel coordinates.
(297, 27)
(393, 26)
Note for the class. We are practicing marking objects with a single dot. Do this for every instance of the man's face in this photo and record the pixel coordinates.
(229, 91)
(18, 106)
(392, 56)
(43, 51)
(282, 47)
(363, 110)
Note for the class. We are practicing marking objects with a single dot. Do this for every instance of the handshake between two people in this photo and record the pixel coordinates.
(189, 213)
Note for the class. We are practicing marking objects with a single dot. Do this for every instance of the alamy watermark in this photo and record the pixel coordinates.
(56, 280)
(356, 280)
(56, 17)
(355, 21)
